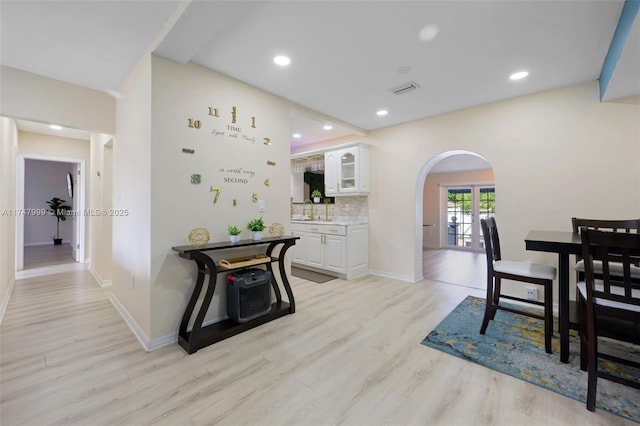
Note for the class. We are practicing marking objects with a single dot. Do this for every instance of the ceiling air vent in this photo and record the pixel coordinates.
(404, 88)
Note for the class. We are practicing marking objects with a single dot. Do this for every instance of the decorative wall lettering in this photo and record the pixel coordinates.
(267, 182)
(234, 112)
(188, 151)
(254, 197)
(195, 124)
(213, 112)
(235, 180)
(271, 163)
(267, 141)
(196, 179)
(217, 190)
(235, 202)
(253, 122)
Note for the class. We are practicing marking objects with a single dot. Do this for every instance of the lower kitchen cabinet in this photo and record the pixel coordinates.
(341, 249)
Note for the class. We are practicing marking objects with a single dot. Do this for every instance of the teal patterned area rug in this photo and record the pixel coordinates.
(514, 345)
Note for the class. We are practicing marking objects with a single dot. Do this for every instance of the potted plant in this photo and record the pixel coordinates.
(59, 209)
(256, 226)
(316, 194)
(234, 233)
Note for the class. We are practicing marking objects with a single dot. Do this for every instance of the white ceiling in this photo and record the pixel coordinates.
(45, 129)
(345, 55)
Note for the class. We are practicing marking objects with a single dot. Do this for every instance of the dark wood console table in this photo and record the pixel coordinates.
(200, 336)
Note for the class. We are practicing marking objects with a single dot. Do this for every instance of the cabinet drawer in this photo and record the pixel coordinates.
(319, 228)
(334, 229)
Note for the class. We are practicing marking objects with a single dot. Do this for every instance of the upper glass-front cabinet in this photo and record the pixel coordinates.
(347, 171)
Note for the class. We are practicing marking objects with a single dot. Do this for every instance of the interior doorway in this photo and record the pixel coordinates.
(39, 179)
(455, 188)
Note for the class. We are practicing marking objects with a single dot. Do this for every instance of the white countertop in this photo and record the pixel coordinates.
(333, 220)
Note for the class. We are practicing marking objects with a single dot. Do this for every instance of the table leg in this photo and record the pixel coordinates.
(283, 273)
(563, 305)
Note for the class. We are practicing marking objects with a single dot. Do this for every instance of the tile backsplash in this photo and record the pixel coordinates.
(344, 206)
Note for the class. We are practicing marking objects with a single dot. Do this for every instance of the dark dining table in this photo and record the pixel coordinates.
(564, 243)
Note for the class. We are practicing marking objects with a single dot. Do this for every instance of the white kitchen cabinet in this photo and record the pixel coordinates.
(299, 250)
(341, 249)
(346, 171)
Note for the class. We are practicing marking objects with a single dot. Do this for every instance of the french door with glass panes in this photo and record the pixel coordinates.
(465, 206)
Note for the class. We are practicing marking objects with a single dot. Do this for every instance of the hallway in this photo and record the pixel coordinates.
(47, 255)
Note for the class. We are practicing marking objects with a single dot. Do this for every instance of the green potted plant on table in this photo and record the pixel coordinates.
(316, 194)
(59, 209)
(234, 233)
(256, 226)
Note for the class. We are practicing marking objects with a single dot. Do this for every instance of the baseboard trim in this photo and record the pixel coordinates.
(150, 345)
(45, 243)
(163, 341)
(101, 282)
(128, 319)
(399, 277)
(5, 299)
(172, 338)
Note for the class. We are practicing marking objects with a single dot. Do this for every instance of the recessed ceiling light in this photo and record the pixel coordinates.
(296, 135)
(282, 61)
(382, 112)
(55, 127)
(428, 32)
(519, 75)
(327, 127)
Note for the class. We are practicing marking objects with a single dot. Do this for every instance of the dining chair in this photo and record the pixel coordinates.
(524, 272)
(625, 226)
(610, 305)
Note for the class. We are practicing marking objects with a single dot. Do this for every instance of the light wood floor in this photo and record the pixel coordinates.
(458, 267)
(47, 255)
(350, 355)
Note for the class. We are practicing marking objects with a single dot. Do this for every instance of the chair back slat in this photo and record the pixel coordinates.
(610, 247)
(624, 225)
(491, 239)
(627, 226)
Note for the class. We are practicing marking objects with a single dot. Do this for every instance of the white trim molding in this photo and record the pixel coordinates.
(101, 281)
(5, 300)
(128, 319)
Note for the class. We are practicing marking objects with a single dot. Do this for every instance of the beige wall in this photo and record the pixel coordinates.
(555, 155)
(33, 97)
(132, 192)
(152, 181)
(101, 199)
(432, 208)
(187, 91)
(8, 152)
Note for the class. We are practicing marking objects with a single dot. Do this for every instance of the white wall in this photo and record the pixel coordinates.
(152, 181)
(187, 91)
(432, 207)
(33, 97)
(555, 155)
(132, 193)
(101, 199)
(8, 153)
(43, 181)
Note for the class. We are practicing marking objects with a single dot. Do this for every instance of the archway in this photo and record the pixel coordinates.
(427, 168)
